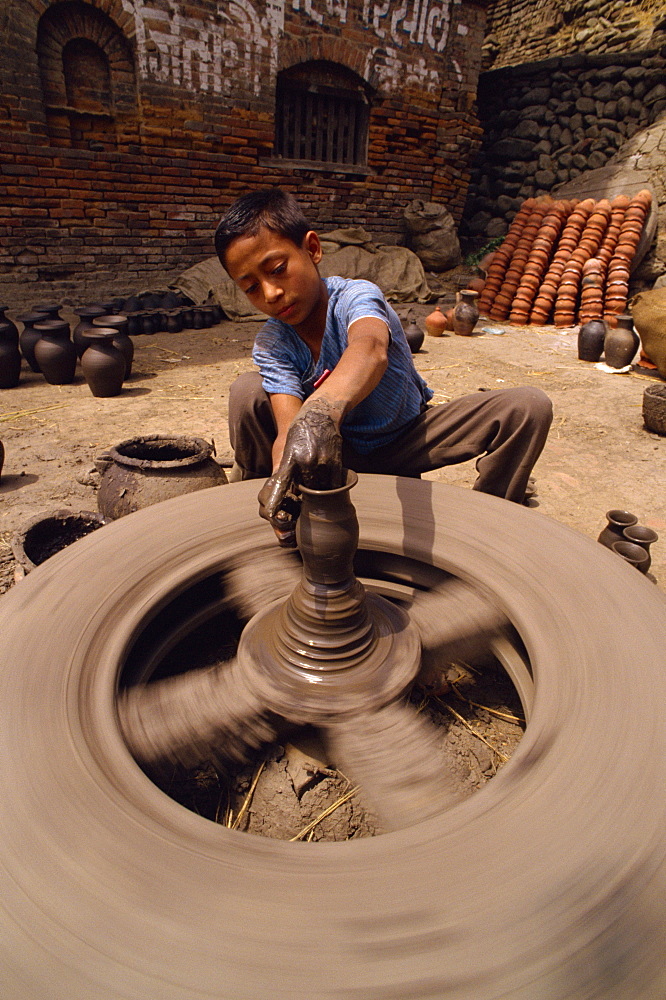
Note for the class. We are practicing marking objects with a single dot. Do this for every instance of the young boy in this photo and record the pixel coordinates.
(337, 387)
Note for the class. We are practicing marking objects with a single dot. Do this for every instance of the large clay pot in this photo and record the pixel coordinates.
(13, 326)
(145, 470)
(122, 341)
(10, 356)
(466, 313)
(47, 534)
(654, 408)
(591, 340)
(621, 343)
(86, 316)
(102, 363)
(51, 310)
(54, 352)
(617, 520)
(29, 337)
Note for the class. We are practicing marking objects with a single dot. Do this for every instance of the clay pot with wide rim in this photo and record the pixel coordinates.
(54, 352)
(42, 536)
(617, 520)
(145, 470)
(102, 363)
(121, 341)
(86, 316)
(639, 534)
(466, 313)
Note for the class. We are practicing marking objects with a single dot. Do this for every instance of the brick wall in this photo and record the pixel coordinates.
(128, 127)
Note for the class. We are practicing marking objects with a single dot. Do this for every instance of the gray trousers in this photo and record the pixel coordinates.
(504, 429)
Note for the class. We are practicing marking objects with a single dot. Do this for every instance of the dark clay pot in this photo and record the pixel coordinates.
(47, 534)
(466, 313)
(51, 310)
(638, 534)
(86, 316)
(591, 340)
(102, 363)
(10, 356)
(121, 340)
(2, 456)
(621, 343)
(174, 321)
(146, 470)
(188, 318)
(54, 352)
(617, 520)
(13, 326)
(414, 335)
(635, 555)
(29, 337)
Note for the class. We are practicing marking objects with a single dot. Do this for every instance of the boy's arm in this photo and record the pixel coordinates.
(312, 451)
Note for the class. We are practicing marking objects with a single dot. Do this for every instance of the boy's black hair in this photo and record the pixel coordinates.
(269, 207)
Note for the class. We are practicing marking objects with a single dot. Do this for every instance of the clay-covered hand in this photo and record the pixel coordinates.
(312, 457)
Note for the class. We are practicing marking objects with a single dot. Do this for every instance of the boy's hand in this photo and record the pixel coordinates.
(312, 457)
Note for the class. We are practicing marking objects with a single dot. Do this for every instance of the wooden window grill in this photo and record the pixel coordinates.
(320, 123)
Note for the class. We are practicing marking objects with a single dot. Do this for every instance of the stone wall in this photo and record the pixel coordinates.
(522, 31)
(549, 122)
(126, 127)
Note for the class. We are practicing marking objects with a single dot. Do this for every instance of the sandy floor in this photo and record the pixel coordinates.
(599, 455)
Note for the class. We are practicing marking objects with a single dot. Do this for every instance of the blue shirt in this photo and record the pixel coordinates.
(287, 366)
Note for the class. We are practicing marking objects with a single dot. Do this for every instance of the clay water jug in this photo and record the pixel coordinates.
(122, 341)
(465, 313)
(621, 343)
(29, 337)
(10, 356)
(638, 534)
(86, 315)
(617, 520)
(102, 363)
(54, 351)
(436, 323)
(413, 333)
(591, 340)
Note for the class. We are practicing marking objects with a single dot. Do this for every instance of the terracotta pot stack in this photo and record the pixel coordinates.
(619, 267)
(566, 261)
(537, 262)
(502, 257)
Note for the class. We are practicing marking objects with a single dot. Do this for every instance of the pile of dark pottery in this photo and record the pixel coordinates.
(628, 539)
(100, 341)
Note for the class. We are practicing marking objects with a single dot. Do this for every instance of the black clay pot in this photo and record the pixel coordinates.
(131, 305)
(51, 310)
(86, 315)
(174, 321)
(414, 334)
(2, 456)
(54, 352)
(621, 343)
(617, 520)
(199, 319)
(29, 337)
(635, 555)
(638, 534)
(3, 319)
(134, 324)
(147, 321)
(10, 356)
(591, 340)
(47, 534)
(102, 363)
(122, 341)
(188, 318)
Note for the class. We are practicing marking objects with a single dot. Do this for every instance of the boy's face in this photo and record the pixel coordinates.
(279, 278)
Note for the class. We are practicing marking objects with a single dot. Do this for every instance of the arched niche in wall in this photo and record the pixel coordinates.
(87, 75)
(321, 115)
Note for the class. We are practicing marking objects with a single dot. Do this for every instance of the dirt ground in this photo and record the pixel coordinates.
(599, 456)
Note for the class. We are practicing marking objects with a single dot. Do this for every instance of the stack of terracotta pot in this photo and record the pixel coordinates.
(566, 261)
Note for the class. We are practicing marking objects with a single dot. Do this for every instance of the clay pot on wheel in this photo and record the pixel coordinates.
(144, 470)
(102, 363)
(621, 343)
(466, 313)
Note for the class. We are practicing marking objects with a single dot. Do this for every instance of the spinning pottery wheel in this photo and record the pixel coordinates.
(547, 883)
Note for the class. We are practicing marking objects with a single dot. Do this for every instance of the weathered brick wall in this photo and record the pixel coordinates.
(522, 31)
(118, 186)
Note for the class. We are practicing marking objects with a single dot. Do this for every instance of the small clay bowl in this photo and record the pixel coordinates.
(634, 554)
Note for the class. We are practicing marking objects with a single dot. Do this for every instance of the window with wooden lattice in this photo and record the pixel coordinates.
(321, 115)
